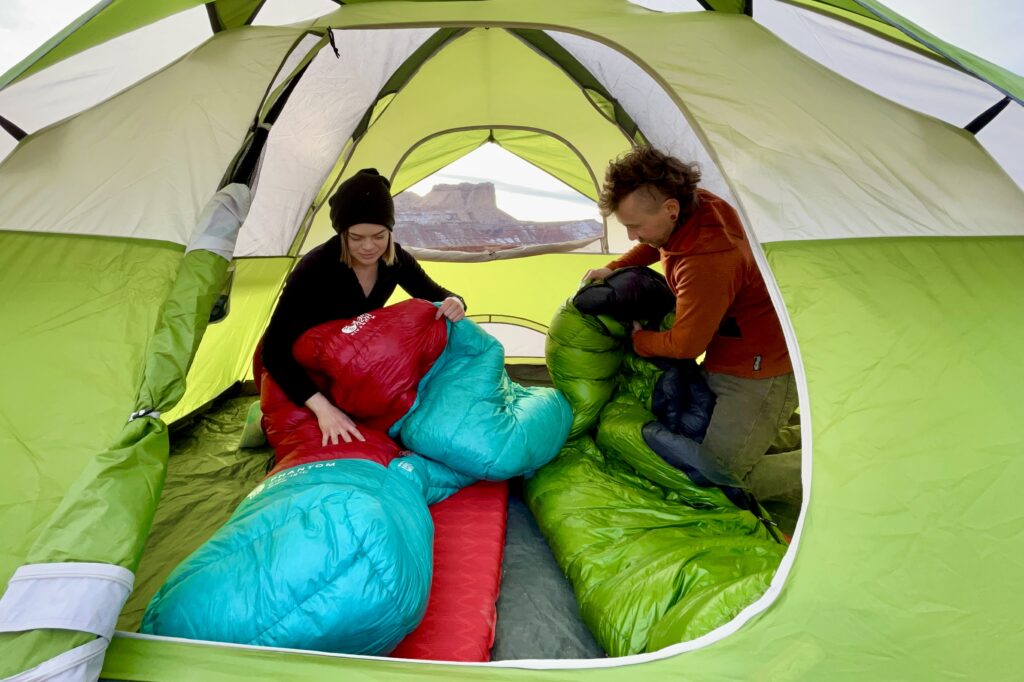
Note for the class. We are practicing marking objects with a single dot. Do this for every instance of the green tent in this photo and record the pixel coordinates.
(877, 170)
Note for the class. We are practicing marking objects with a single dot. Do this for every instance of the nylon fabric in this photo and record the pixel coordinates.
(584, 360)
(638, 538)
(363, 597)
(224, 355)
(74, 85)
(312, 130)
(637, 555)
(77, 316)
(471, 417)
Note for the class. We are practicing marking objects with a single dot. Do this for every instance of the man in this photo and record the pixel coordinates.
(722, 309)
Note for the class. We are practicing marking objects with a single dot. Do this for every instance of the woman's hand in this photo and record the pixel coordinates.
(597, 273)
(333, 422)
(451, 308)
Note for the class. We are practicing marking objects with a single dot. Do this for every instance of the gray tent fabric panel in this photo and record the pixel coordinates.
(538, 616)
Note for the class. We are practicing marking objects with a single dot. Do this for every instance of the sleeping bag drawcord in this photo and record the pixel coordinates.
(765, 518)
(145, 412)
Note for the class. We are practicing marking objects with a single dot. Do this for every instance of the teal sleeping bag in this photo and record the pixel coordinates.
(333, 556)
(471, 417)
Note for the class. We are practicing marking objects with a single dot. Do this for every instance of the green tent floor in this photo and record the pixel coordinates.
(208, 475)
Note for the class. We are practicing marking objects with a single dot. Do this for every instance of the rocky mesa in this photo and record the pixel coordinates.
(466, 217)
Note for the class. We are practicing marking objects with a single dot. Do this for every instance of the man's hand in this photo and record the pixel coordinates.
(637, 327)
(597, 273)
(451, 308)
(333, 422)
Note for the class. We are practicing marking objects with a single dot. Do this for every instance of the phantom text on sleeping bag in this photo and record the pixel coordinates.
(333, 551)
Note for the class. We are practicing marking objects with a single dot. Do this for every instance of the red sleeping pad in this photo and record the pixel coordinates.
(469, 540)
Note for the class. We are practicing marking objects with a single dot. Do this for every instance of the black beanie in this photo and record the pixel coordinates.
(363, 198)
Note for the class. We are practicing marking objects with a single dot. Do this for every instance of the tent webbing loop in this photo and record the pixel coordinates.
(334, 45)
(987, 116)
(16, 132)
(211, 11)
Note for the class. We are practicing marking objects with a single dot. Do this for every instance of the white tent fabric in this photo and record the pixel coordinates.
(74, 85)
(892, 71)
(647, 103)
(79, 596)
(188, 121)
(277, 12)
(1004, 140)
(295, 58)
(669, 5)
(518, 342)
(307, 139)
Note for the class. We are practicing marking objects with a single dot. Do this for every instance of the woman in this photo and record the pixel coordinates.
(349, 274)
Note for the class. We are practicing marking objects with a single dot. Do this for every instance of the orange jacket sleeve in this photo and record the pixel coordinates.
(641, 254)
(706, 284)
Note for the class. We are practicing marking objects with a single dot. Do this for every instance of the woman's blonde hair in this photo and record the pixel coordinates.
(389, 252)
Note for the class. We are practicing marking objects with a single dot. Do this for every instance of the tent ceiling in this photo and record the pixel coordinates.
(110, 18)
(144, 163)
(554, 156)
(850, 172)
(490, 79)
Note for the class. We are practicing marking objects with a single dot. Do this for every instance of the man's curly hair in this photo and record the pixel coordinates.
(664, 177)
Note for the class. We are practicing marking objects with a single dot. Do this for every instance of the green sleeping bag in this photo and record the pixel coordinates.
(653, 558)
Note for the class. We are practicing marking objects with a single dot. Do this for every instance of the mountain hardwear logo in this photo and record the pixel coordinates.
(356, 324)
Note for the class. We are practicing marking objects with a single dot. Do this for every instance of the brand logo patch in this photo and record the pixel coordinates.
(356, 324)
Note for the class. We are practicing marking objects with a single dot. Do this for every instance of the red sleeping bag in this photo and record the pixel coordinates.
(370, 367)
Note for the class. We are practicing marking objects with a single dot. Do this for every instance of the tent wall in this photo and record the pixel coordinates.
(225, 355)
(906, 336)
(321, 113)
(649, 104)
(909, 542)
(557, 157)
(78, 314)
(144, 163)
(97, 74)
(909, 77)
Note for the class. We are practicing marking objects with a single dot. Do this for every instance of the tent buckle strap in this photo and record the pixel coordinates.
(145, 412)
(334, 45)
